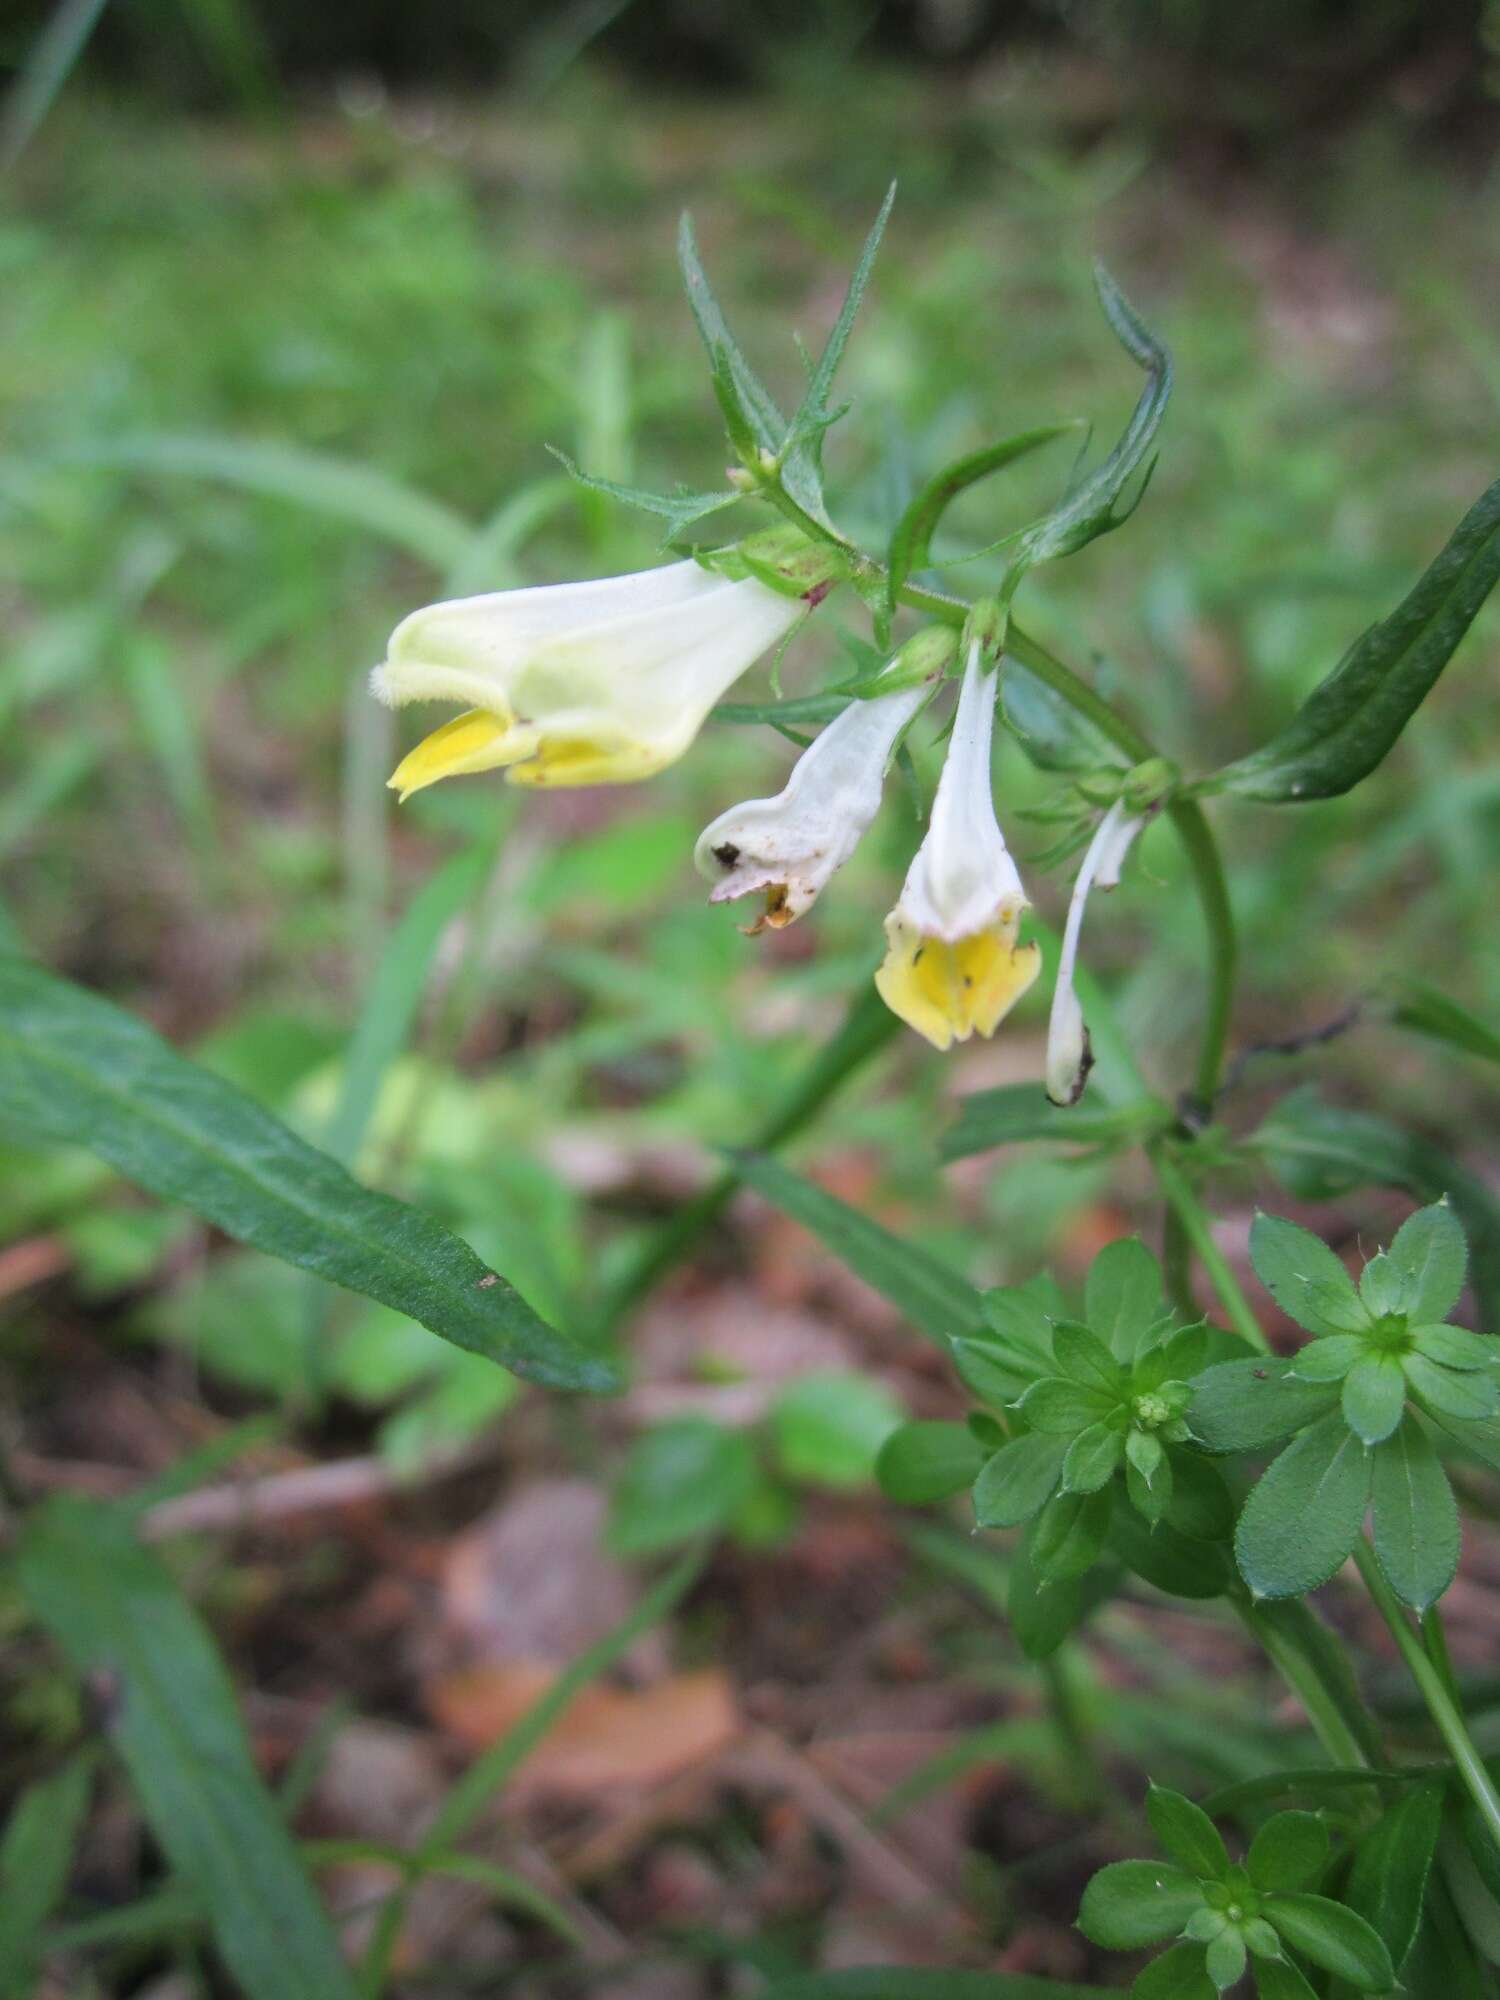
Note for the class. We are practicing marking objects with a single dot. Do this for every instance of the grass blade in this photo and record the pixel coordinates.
(358, 494)
(36, 1858)
(76, 1070)
(395, 994)
(167, 723)
(48, 779)
(1426, 1011)
(503, 1885)
(489, 561)
(489, 1774)
(933, 1297)
(46, 69)
(119, 1617)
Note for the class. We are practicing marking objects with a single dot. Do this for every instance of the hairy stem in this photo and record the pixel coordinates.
(1177, 1264)
(1433, 1686)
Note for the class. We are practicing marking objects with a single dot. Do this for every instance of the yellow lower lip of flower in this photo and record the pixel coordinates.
(578, 760)
(948, 992)
(475, 741)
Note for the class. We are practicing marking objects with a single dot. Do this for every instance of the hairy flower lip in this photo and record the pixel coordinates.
(590, 683)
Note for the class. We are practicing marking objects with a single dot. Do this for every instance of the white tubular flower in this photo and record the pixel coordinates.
(790, 846)
(953, 965)
(578, 683)
(1069, 1057)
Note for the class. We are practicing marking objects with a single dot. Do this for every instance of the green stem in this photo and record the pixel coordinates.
(771, 489)
(1072, 1730)
(1202, 851)
(1077, 694)
(1431, 1684)
(1435, 1638)
(1194, 1220)
(867, 1027)
(1337, 1722)
(1177, 1264)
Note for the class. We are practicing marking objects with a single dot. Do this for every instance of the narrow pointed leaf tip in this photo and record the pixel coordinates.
(813, 417)
(1099, 503)
(679, 510)
(1351, 720)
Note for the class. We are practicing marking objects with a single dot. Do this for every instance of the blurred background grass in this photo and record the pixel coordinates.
(291, 306)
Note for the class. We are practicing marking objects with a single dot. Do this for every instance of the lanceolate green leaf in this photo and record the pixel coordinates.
(1426, 1011)
(1415, 1517)
(119, 1617)
(1042, 1611)
(747, 402)
(1178, 1974)
(1244, 1405)
(932, 1296)
(390, 1006)
(76, 1070)
(1019, 1480)
(1187, 1833)
(1334, 1938)
(759, 406)
(812, 416)
(1388, 1881)
(679, 510)
(1346, 726)
(1135, 1903)
(1017, 1112)
(1427, 1259)
(1123, 1294)
(1304, 1277)
(1302, 1517)
(911, 543)
(924, 1462)
(1095, 506)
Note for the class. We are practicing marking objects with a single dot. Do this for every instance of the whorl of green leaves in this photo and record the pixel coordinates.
(1226, 1916)
(1364, 1404)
